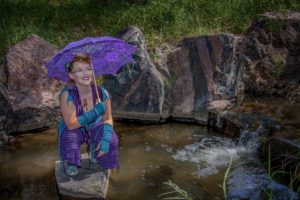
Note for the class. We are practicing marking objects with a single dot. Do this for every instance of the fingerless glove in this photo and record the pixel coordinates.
(106, 137)
(88, 117)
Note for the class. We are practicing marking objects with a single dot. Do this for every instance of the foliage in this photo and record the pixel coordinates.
(294, 176)
(274, 25)
(62, 21)
(278, 67)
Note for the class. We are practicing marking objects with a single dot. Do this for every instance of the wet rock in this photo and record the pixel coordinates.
(218, 111)
(91, 182)
(249, 180)
(271, 44)
(138, 89)
(234, 123)
(32, 96)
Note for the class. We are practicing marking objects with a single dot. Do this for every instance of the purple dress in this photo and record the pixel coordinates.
(70, 140)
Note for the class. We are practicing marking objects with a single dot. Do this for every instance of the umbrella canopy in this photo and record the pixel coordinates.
(108, 55)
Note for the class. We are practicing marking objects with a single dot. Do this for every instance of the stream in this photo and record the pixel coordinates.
(192, 156)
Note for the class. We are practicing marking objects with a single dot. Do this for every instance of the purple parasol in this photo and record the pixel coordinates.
(108, 55)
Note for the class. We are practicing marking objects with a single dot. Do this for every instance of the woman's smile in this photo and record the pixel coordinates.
(86, 78)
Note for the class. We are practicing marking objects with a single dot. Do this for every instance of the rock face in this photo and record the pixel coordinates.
(272, 45)
(137, 90)
(32, 96)
(181, 85)
(91, 182)
(204, 69)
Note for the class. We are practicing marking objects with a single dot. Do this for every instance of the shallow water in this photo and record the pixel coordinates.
(189, 155)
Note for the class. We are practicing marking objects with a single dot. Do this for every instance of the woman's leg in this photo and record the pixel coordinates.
(70, 142)
(111, 159)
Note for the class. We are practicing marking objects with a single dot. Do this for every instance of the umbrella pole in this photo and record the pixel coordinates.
(94, 78)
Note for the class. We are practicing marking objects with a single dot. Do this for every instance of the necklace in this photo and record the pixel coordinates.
(85, 105)
(84, 101)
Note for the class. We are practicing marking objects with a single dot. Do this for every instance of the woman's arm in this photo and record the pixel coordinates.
(68, 112)
(103, 146)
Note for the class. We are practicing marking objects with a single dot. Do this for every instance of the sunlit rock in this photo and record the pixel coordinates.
(91, 182)
(204, 69)
(32, 96)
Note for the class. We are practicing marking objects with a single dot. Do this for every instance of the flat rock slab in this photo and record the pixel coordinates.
(91, 182)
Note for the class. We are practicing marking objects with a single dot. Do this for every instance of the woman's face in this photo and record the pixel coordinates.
(81, 73)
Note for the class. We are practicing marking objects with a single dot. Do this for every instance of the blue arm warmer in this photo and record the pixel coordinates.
(106, 137)
(88, 117)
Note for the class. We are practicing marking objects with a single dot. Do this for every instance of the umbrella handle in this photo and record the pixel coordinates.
(94, 78)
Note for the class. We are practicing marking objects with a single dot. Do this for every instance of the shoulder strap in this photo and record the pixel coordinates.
(73, 93)
(70, 98)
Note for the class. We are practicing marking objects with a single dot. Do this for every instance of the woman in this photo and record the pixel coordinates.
(85, 119)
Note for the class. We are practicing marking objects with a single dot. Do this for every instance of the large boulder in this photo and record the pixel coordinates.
(137, 90)
(182, 81)
(202, 70)
(32, 96)
(271, 44)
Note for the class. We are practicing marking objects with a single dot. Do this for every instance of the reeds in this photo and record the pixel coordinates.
(175, 191)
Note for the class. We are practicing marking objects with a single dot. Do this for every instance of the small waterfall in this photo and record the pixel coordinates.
(252, 140)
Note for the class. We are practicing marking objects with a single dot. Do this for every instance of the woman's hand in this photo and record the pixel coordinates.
(100, 152)
(87, 117)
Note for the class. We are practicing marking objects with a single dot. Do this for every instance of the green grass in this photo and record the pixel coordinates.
(293, 175)
(62, 21)
(279, 66)
(175, 192)
(224, 186)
